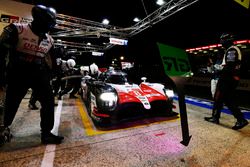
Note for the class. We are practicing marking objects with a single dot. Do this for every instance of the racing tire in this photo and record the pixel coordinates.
(87, 102)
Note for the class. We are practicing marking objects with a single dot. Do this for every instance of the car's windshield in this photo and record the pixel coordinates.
(116, 79)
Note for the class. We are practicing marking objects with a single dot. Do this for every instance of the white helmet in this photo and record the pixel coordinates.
(86, 68)
(71, 63)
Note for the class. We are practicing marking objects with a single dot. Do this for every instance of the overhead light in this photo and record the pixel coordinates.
(136, 19)
(160, 2)
(105, 21)
(242, 41)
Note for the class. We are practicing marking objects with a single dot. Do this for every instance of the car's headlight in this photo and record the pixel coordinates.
(109, 99)
(169, 93)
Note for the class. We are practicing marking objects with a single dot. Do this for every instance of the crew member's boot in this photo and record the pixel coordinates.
(33, 106)
(5, 135)
(215, 117)
(240, 124)
(50, 138)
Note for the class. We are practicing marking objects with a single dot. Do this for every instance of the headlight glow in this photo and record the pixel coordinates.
(169, 93)
(109, 99)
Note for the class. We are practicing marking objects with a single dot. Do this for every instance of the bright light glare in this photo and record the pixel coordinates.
(52, 10)
(108, 96)
(169, 93)
(160, 2)
(109, 99)
(136, 19)
(105, 21)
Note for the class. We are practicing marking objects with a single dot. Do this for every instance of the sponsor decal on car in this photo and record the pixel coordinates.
(144, 101)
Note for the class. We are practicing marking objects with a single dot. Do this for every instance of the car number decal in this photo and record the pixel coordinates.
(144, 101)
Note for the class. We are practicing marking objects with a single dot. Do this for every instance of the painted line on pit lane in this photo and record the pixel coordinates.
(90, 130)
(87, 124)
(49, 153)
(209, 105)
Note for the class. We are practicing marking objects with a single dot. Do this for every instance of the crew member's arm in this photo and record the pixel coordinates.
(8, 41)
(239, 57)
(218, 66)
(210, 65)
(236, 75)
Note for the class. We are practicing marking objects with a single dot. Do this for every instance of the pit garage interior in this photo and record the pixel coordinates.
(184, 139)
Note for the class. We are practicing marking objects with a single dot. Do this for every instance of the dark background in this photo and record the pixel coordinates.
(200, 24)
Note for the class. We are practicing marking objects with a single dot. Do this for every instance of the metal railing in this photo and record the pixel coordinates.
(73, 27)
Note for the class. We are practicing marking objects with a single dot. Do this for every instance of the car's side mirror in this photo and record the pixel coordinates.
(143, 79)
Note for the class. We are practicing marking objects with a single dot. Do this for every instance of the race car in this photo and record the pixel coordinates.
(113, 97)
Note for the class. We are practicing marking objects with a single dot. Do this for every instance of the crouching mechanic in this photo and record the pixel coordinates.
(65, 69)
(24, 51)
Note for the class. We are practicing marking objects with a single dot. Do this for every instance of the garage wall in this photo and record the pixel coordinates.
(12, 11)
(244, 84)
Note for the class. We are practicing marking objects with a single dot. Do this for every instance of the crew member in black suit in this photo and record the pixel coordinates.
(227, 83)
(27, 47)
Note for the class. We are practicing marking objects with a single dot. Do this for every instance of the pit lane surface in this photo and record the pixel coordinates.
(141, 142)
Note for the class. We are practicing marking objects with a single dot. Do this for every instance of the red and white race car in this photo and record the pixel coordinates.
(112, 96)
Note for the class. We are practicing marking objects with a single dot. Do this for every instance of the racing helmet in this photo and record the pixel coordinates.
(81, 68)
(71, 63)
(44, 18)
(226, 39)
(84, 70)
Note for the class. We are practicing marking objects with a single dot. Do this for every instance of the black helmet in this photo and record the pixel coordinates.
(226, 39)
(44, 16)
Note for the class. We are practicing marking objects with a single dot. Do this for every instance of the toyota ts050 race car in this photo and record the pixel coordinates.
(112, 96)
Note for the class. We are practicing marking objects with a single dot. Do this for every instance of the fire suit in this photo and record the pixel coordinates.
(23, 61)
(227, 83)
